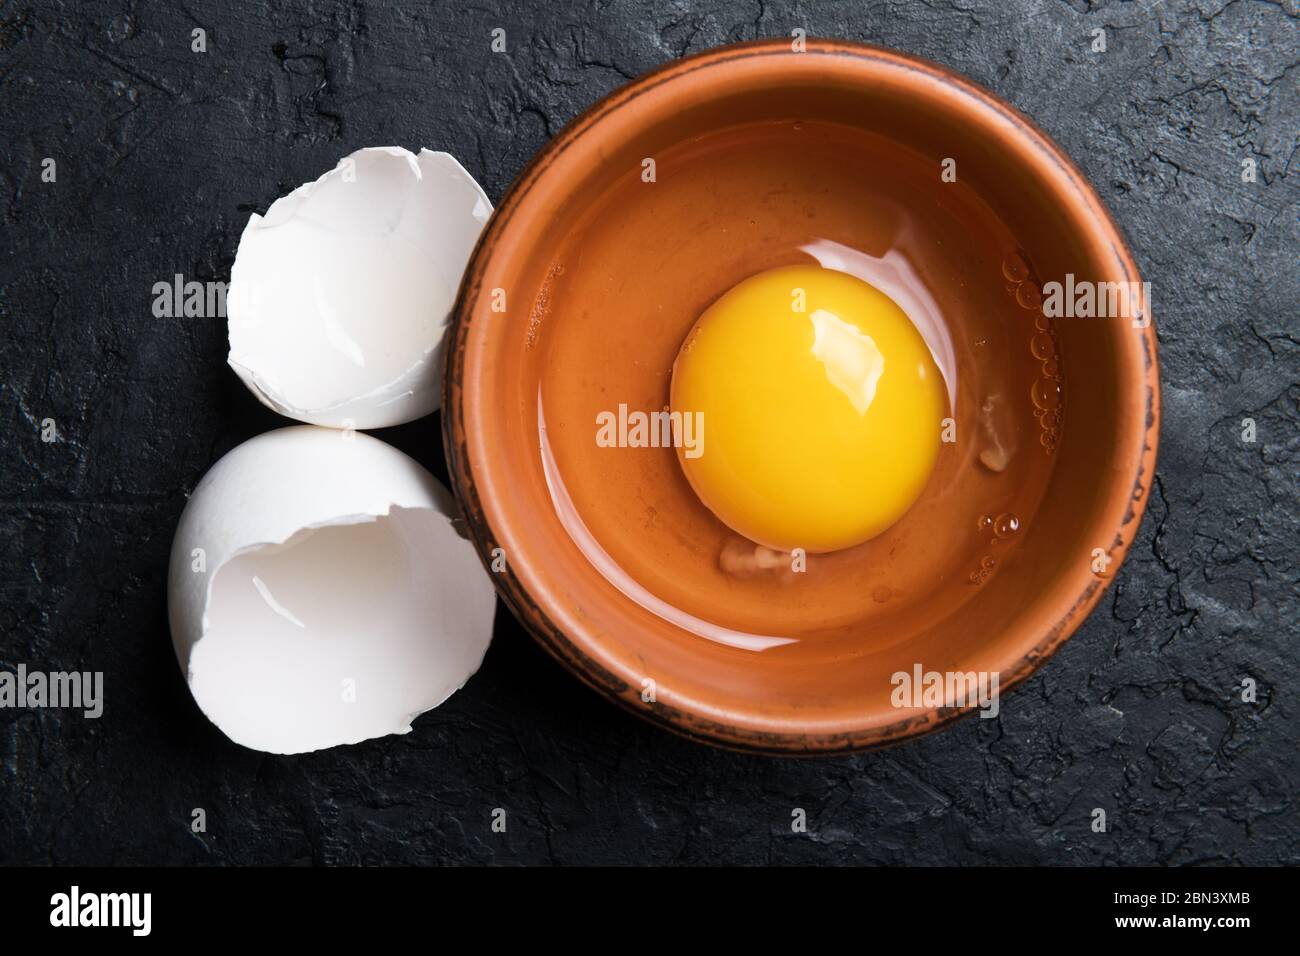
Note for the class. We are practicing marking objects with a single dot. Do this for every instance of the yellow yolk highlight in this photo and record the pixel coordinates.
(821, 407)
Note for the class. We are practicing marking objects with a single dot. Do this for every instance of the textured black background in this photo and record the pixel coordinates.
(162, 154)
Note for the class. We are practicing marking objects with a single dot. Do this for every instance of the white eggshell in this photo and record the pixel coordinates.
(320, 594)
(339, 298)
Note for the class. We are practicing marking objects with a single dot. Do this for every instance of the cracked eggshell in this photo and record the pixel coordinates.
(339, 298)
(320, 592)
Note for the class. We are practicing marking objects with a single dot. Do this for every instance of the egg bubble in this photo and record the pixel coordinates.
(1015, 268)
(1006, 525)
(1046, 393)
(1028, 296)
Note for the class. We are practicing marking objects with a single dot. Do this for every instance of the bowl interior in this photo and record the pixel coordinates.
(518, 298)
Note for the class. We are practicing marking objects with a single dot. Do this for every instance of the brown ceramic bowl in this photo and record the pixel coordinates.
(802, 702)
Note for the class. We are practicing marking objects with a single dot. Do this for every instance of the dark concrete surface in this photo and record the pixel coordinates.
(162, 153)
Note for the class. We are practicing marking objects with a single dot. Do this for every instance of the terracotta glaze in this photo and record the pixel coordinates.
(643, 211)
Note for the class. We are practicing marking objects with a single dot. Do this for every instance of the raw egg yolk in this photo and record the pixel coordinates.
(820, 404)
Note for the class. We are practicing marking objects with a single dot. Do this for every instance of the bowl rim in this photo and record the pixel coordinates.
(1065, 178)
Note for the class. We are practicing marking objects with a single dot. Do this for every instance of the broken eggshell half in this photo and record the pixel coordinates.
(320, 592)
(339, 297)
